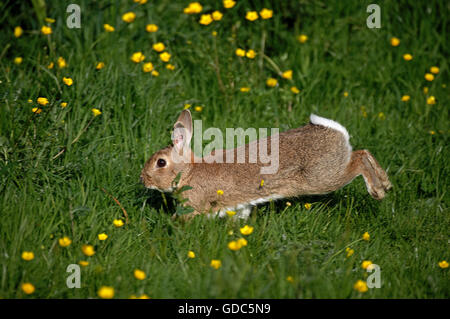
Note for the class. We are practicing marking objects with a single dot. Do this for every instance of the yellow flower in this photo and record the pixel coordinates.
(432, 132)
(407, 57)
(88, 250)
(129, 17)
(228, 4)
(206, 19)
(395, 41)
(290, 279)
(65, 241)
(381, 116)
(246, 230)
(366, 236)
(231, 213)
(214, 33)
(18, 60)
(302, 38)
(170, 67)
(118, 222)
(159, 47)
(250, 54)
(266, 13)
(28, 288)
(67, 81)
(143, 296)
(18, 31)
(139, 274)
(349, 251)
(234, 245)
(295, 90)
(155, 73)
(193, 8)
(102, 236)
(51, 65)
(242, 242)
(137, 57)
(345, 94)
(42, 101)
(151, 28)
(405, 98)
(186, 106)
(366, 263)
(287, 74)
(27, 255)
(425, 90)
(36, 110)
(100, 65)
(49, 20)
(434, 69)
(83, 263)
(271, 82)
(261, 184)
(219, 192)
(106, 292)
(244, 89)
(251, 15)
(240, 52)
(230, 232)
(215, 263)
(360, 286)
(61, 63)
(165, 56)
(288, 204)
(308, 206)
(108, 28)
(46, 30)
(147, 67)
(191, 254)
(217, 15)
(429, 77)
(431, 100)
(443, 264)
(96, 112)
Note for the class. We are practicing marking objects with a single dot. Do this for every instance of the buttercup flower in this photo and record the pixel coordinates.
(288, 204)
(217, 15)
(360, 286)
(106, 292)
(234, 245)
(395, 41)
(295, 90)
(215, 263)
(137, 57)
(240, 52)
(349, 251)
(407, 57)
(308, 206)
(96, 112)
(18, 31)
(159, 47)
(431, 100)
(118, 222)
(246, 230)
(147, 67)
(251, 15)
(206, 19)
(108, 28)
(214, 33)
(443, 264)
(366, 263)
(155, 73)
(151, 28)
(287, 74)
(51, 65)
(429, 77)
(63, 104)
(244, 89)
(193, 8)
(290, 279)
(67, 81)
(170, 67)
(36, 110)
(65, 241)
(251, 54)
(139, 274)
(46, 30)
(100, 65)
(88, 250)
(405, 98)
(28, 288)
(434, 69)
(302, 38)
(366, 236)
(425, 90)
(266, 13)
(42, 101)
(228, 4)
(191, 254)
(345, 94)
(50, 20)
(83, 263)
(165, 56)
(61, 63)
(102, 236)
(231, 213)
(219, 192)
(271, 82)
(18, 60)
(129, 17)
(242, 242)
(27, 255)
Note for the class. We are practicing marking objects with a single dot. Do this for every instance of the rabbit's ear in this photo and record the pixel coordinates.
(182, 131)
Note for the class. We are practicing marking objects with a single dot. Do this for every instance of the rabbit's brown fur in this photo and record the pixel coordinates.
(313, 159)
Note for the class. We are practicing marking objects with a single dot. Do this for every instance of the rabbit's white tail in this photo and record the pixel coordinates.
(317, 120)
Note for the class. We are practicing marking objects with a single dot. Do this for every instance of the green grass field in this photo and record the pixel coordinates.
(62, 168)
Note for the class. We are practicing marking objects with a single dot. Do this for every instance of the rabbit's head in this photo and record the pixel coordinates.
(163, 166)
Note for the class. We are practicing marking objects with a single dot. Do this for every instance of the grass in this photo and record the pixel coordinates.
(53, 165)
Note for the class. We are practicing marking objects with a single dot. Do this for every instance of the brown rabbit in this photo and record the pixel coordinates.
(313, 159)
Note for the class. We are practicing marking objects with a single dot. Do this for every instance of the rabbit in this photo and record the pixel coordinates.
(314, 159)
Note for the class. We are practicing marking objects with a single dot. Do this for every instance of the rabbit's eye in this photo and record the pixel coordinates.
(161, 163)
